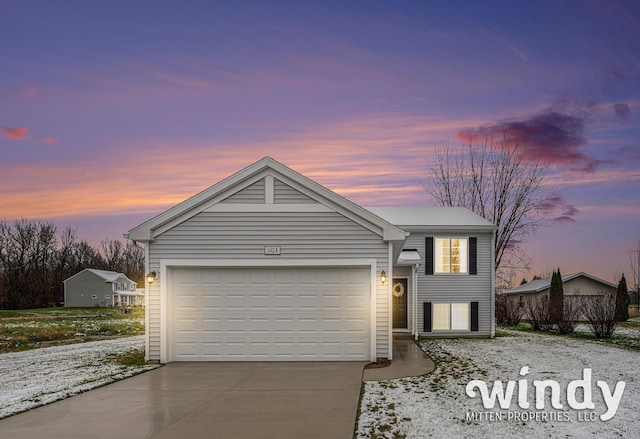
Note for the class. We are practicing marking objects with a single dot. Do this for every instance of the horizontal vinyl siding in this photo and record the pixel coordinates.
(452, 288)
(243, 235)
(285, 194)
(253, 194)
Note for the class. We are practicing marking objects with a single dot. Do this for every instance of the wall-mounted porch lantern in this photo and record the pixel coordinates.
(151, 277)
(383, 277)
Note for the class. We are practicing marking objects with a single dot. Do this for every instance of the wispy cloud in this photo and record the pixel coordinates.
(50, 140)
(622, 111)
(14, 133)
(372, 161)
(558, 210)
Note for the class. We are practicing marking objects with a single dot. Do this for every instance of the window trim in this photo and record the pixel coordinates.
(450, 314)
(435, 256)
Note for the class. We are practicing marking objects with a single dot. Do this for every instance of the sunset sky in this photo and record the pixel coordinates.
(111, 112)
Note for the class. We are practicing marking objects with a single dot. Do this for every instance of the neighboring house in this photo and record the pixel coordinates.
(92, 287)
(269, 265)
(634, 298)
(573, 285)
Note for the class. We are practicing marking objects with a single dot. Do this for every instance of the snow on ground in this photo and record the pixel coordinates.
(37, 377)
(436, 405)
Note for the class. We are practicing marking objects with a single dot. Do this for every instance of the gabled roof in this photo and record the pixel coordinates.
(108, 276)
(538, 285)
(433, 218)
(266, 166)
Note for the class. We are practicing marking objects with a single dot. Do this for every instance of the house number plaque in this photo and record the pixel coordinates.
(272, 250)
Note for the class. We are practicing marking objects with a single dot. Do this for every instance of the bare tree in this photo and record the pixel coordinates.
(571, 312)
(27, 256)
(600, 312)
(508, 310)
(498, 182)
(113, 254)
(537, 310)
(133, 263)
(34, 262)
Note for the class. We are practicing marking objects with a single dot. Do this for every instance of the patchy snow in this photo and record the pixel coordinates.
(37, 377)
(436, 405)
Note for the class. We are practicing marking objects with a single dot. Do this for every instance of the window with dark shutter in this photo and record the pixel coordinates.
(428, 258)
(473, 255)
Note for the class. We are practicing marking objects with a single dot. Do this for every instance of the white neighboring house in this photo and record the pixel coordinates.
(573, 285)
(92, 287)
(268, 265)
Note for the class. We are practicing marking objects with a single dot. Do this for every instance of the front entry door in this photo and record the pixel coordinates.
(399, 291)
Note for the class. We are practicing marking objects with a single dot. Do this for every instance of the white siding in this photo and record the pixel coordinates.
(252, 194)
(454, 288)
(285, 194)
(243, 235)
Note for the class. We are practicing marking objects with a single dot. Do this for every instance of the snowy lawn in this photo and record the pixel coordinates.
(40, 376)
(437, 405)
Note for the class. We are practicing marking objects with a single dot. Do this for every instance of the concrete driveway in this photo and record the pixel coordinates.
(207, 400)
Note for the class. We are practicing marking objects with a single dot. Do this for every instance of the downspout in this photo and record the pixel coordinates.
(147, 293)
(414, 281)
(493, 284)
(390, 300)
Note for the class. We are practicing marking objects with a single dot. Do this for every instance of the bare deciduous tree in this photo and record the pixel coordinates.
(571, 313)
(600, 312)
(508, 310)
(34, 262)
(498, 182)
(537, 310)
(113, 254)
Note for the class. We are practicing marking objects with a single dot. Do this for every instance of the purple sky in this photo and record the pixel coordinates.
(111, 112)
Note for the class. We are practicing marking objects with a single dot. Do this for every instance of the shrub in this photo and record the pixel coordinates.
(571, 312)
(537, 308)
(508, 311)
(600, 312)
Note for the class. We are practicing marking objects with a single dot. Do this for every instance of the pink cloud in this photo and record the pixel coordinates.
(552, 136)
(17, 133)
(50, 140)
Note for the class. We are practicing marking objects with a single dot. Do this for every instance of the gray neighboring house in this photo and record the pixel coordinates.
(92, 287)
(573, 285)
(268, 265)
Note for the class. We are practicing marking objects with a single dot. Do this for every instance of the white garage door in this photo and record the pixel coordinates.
(264, 314)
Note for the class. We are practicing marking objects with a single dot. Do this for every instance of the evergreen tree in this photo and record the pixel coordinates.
(556, 298)
(622, 301)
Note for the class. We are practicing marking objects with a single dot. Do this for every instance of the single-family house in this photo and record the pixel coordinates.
(268, 265)
(573, 286)
(92, 287)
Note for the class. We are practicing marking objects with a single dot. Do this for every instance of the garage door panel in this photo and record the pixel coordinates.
(243, 314)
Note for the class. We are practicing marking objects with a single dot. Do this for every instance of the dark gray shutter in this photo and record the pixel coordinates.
(474, 316)
(473, 255)
(428, 255)
(426, 314)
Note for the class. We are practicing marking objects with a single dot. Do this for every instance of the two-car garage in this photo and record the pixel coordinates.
(269, 313)
(268, 265)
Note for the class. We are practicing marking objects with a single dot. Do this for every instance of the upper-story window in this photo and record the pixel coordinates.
(451, 255)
